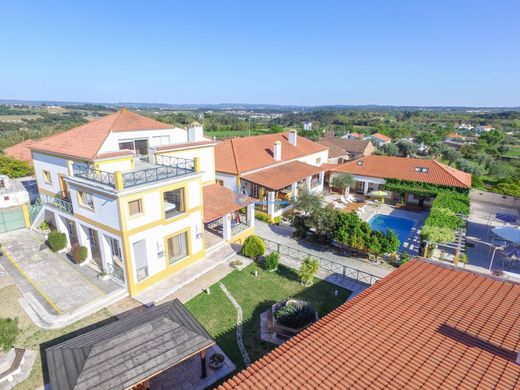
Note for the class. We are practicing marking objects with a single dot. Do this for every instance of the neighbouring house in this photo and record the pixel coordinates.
(271, 168)
(352, 136)
(371, 173)
(21, 151)
(131, 190)
(424, 326)
(342, 149)
(484, 128)
(455, 140)
(133, 352)
(307, 126)
(465, 126)
(12, 193)
(379, 139)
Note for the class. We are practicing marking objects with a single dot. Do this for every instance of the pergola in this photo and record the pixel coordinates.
(126, 354)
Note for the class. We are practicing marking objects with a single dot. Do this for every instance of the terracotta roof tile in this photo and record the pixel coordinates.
(21, 151)
(387, 167)
(282, 175)
(185, 145)
(387, 337)
(339, 147)
(382, 137)
(85, 141)
(118, 153)
(219, 201)
(240, 155)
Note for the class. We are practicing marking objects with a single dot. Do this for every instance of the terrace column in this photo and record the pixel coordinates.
(203, 372)
(308, 182)
(226, 227)
(322, 180)
(365, 188)
(270, 203)
(294, 190)
(251, 215)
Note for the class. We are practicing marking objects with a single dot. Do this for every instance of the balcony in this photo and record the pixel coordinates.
(166, 167)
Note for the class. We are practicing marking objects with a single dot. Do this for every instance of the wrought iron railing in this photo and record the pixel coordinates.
(325, 264)
(179, 162)
(116, 271)
(87, 172)
(149, 175)
(57, 203)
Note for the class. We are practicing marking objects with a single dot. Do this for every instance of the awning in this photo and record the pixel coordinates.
(283, 175)
(219, 201)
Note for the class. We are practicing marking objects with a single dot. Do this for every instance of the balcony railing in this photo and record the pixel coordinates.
(57, 203)
(166, 167)
(86, 172)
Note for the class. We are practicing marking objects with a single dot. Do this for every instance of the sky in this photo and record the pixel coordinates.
(402, 52)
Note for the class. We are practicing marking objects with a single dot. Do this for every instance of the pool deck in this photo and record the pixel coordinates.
(411, 245)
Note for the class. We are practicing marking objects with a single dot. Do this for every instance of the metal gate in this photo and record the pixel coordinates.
(11, 219)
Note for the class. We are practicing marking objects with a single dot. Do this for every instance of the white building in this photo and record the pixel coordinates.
(12, 193)
(307, 126)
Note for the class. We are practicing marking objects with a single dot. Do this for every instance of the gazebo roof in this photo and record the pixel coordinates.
(128, 351)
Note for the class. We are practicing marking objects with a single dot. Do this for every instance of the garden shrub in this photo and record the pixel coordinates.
(262, 216)
(271, 261)
(437, 235)
(44, 226)
(300, 224)
(307, 270)
(57, 241)
(277, 220)
(79, 253)
(296, 314)
(404, 257)
(253, 247)
(443, 217)
(8, 333)
(14, 168)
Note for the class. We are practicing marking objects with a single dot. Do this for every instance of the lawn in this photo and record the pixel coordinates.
(513, 152)
(32, 337)
(255, 295)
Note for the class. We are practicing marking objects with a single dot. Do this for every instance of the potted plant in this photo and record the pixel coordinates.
(79, 253)
(103, 275)
(216, 360)
(308, 269)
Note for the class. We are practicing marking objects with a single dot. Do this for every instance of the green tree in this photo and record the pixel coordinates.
(391, 242)
(437, 235)
(307, 202)
(14, 168)
(406, 148)
(389, 149)
(452, 155)
(343, 181)
(253, 247)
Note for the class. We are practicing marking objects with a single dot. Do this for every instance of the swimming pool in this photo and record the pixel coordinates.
(401, 226)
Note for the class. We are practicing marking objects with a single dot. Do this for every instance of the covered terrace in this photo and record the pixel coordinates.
(227, 215)
(275, 187)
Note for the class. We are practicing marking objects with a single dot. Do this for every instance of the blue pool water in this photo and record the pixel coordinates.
(401, 226)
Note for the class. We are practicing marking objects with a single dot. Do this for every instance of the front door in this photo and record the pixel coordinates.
(71, 228)
(360, 187)
(94, 247)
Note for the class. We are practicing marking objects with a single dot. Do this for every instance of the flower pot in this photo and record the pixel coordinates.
(216, 360)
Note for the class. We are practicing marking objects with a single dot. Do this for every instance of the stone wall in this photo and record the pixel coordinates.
(490, 197)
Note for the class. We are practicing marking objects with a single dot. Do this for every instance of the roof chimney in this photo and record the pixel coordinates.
(195, 132)
(277, 151)
(293, 137)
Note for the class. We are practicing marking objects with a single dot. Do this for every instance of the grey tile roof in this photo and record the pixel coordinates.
(128, 351)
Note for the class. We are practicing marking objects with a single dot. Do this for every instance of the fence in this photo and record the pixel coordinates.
(325, 264)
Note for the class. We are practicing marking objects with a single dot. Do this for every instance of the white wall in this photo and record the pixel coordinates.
(311, 158)
(156, 252)
(230, 181)
(105, 208)
(55, 165)
(116, 165)
(111, 144)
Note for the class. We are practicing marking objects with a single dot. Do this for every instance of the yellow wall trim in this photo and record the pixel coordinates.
(240, 237)
(97, 224)
(163, 221)
(26, 218)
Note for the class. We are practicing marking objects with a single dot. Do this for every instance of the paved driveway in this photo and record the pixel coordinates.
(57, 284)
(283, 235)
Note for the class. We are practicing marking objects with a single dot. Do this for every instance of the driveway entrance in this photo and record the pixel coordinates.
(51, 278)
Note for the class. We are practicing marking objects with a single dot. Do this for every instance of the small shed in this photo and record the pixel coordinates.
(129, 352)
(12, 193)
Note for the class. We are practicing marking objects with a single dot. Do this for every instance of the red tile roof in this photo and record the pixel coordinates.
(382, 137)
(281, 176)
(339, 147)
(240, 155)
(424, 326)
(85, 141)
(219, 201)
(118, 153)
(387, 167)
(21, 151)
(185, 145)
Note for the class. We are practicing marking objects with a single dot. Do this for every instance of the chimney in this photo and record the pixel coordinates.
(277, 151)
(293, 137)
(195, 132)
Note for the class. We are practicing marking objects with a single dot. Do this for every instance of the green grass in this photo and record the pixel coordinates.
(255, 295)
(513, 152)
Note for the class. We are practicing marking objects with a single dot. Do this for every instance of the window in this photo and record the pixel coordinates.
(360, 162)
(139, 146)
(220, 182)
(47, 178)
(174, 203)
(135, 207)
(255, 191)
(177, 247)
(315, 180)
(318, 161)
(161, 140)
(421, 169)
(2, 183)
(86, 199)
(115, 249)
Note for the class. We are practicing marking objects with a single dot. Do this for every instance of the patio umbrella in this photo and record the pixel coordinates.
(508, 218)
(512, 251)
(508, 233)
(378, 193)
